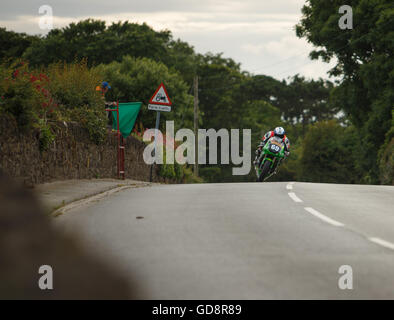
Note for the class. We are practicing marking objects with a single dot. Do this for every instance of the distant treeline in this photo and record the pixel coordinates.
(340, 132)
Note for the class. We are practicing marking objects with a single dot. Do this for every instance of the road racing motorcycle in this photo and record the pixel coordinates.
(270, 158)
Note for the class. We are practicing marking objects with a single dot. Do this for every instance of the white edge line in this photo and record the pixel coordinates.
(323, 217)
(382, 242)
(293, 196)
(289, 187)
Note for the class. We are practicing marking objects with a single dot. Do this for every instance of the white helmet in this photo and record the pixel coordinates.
(279, 132)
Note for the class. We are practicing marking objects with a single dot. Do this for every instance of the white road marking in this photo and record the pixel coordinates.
(289, 186)
(382, 242)
(293, 196)
(323, 217)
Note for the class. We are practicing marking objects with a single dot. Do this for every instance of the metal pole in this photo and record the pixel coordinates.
(122, 152)
(155, 144)
(118, 133)
(196, 125)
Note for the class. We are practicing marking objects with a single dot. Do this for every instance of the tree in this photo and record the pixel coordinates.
(328, 154)
(299, 100)
(386, 157)
(219, 94)
(93, 40)
(307, 101)
(364, 63)
(13, 44)
(182, 58)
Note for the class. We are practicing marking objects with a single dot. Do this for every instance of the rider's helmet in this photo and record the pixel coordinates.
(279, 132)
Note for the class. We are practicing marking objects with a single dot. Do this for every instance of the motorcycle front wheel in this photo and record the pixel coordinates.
(265, 170)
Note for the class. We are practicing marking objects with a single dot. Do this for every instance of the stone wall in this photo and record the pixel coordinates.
(71, 156)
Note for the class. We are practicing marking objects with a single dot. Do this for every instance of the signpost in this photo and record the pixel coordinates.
(160, 101)
(125, 120)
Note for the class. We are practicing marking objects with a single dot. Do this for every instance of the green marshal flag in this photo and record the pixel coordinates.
(128, 112)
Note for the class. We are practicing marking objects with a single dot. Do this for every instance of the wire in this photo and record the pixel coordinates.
(296, 67)
(301, 54)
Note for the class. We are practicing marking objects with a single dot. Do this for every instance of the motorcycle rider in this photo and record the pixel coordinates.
(277, 132)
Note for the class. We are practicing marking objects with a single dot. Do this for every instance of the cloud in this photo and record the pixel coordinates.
(252, 48)
(73, 8)
(288, 46)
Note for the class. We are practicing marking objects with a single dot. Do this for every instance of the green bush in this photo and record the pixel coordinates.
(328, 154)
(46, 136)
(92, 119)
(189, 176)
(24, 95)
(73, 87)
(210, 173)
(60, 92)
(178, 168)
(171, 171)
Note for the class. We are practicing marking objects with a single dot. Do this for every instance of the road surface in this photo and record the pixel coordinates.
(246, 240)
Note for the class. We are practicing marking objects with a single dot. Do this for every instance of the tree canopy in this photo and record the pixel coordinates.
(365, 64)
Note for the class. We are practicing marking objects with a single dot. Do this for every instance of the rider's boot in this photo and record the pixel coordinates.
(255, 161)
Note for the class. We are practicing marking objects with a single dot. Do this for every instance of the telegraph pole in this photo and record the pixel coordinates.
(196, 125)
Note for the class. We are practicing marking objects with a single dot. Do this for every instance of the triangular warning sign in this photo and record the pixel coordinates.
(161, 96)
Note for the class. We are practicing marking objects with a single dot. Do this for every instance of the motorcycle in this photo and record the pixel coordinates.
(270, 158)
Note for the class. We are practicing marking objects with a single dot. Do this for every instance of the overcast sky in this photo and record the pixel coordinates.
(257, 33)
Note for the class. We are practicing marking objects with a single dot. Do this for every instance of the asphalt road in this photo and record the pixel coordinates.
(245, 241)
